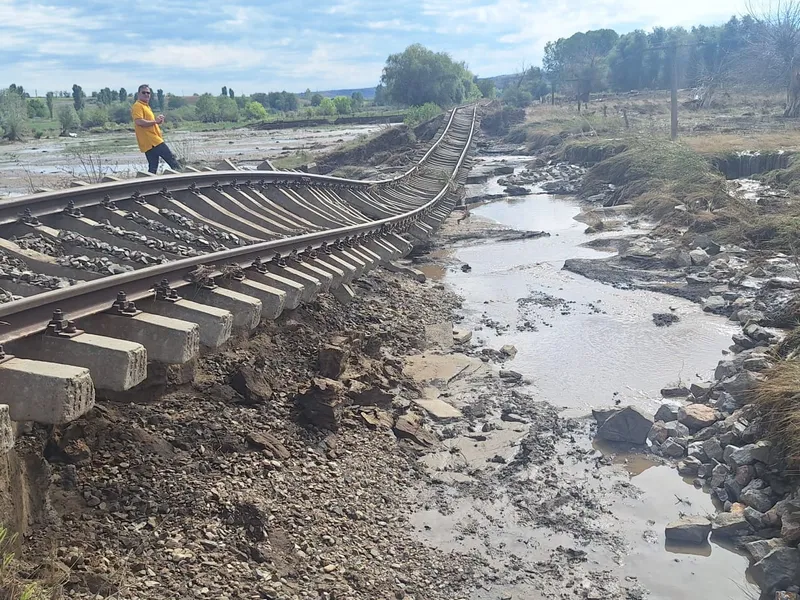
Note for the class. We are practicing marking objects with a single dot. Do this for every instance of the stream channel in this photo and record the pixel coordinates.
(584, 344)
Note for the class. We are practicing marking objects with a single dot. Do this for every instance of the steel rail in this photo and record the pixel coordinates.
(48, 203)
(32, 314)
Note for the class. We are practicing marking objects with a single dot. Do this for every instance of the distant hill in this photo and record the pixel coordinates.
(368, 93)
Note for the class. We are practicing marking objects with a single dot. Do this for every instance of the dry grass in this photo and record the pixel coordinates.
(779, 398)
(14, 585)
(727, 143)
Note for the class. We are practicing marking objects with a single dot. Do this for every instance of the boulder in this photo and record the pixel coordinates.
(755, 518)
(758, 333)
(749, 315)
(745, 474)
(690, 530)
(699, 257)
(725, 369)
(601, 414)
(661, 431)
(760, 548)
(713, 449)
(730, 525)
(714, 304)
(510, 376)
(726, 403)
(267, 441)
(757, 363)
(331, 361)
(629, 425)
(756, 496)
(749, 454)
(700, 390)
(675, 392)
(410, 426)
(667, 412)
(718, 476)
(508, 351)
(672, 449)
(323, 403)
(790, 527)
(697, 416)
(778, 570)
(251, 385)
(675, 258)
(689, 467)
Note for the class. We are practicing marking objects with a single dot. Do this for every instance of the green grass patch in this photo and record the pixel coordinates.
(293, 160)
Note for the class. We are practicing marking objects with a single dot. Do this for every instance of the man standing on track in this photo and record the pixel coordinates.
(148, 132)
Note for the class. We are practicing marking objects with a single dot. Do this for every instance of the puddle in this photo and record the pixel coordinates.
(581, 344)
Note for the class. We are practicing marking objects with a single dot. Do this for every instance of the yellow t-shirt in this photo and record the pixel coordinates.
(147, 137)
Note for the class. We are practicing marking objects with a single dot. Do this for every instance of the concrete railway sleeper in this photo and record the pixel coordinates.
(230, 248)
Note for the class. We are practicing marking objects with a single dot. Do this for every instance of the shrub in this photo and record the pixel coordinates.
(420, 114)
(184, 113)
(37, 109)
(120, 113)
(13, 115)
(93, 117)
(68, 118)
(255, 110)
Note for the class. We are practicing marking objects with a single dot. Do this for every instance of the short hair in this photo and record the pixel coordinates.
(141, 87)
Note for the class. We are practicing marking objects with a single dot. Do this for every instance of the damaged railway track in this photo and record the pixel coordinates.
(109, 284)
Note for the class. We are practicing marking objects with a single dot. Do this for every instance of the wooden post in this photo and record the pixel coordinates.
(674, 95)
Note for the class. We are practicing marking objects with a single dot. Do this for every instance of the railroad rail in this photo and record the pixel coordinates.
(105, 281)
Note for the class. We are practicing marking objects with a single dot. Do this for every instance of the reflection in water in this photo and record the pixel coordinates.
(693, 549)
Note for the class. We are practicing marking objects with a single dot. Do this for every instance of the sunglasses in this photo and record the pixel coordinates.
(145, 93)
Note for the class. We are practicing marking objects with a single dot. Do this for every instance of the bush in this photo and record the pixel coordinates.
(343, 105)
(255, 110)
(228, 111)
(37, 109)
(327, 107)
(184, 113)
(68, 118)
(207, 108)
(120, 113)
(93, 117)
(420, 114)
(514, 96)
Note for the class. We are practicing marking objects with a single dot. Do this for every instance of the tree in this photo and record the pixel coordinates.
(316, 99)
(255, 111)
(228, 111)
(174, 101)
(344, 105)
(487, 87)
(357, 101)
(104, 96)
(380, 95)
(230, 92)
(207, 109)
(224, 91)
(580, 60)
(77, 97)
(67, 118)
(123, 94)
(778, 46)
(49, 98)
(37, 109)
(160, 95)
(327, 107)
(13, 114)
(418, 75)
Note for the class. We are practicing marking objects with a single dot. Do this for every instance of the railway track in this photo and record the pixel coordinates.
(106, 283)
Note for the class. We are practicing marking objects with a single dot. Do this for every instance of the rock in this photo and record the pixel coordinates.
(689, 467)
(749, 454)
(778, 570)
(440, 334)
(758, 333)
(691, 530)
(744, 475)
(713, 449)
(729, 525)
(760, 548)
(725, 369)
(323, 403)
(790, 527)
(509, 351)
(675, 258)
(461, 336)
(757, 363)
(755, 518)
(743, 342)
(410, 426)
(251, 385)
(697, 416)
(672, 449)
(675, 392)
(667, 412)
(267, 441)
(749, 315)
(660, 432)
(509, 416)
(714, 304)
(504, 170)
(700, 390)
(516, 190)
(699, 257)
(787, 283)
(377, 418)
(756, 497)
(370, 396)
(601, 414)
(331, 361)
(726, 403)
(510, 376)
(718, 476)
(665, 319)
(628, 425)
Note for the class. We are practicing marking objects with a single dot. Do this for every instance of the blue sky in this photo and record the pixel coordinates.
(188, 46)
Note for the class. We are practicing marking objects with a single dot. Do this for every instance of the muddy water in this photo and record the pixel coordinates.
(584, 344)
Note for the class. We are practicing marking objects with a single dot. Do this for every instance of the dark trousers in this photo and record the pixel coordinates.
(160, 151)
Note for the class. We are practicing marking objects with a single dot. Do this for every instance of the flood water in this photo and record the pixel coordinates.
(584, 344)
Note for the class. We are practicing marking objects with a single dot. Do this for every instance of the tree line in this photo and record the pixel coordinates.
(760, 49)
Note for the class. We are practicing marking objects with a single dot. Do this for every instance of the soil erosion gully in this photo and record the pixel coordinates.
(103, 286)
